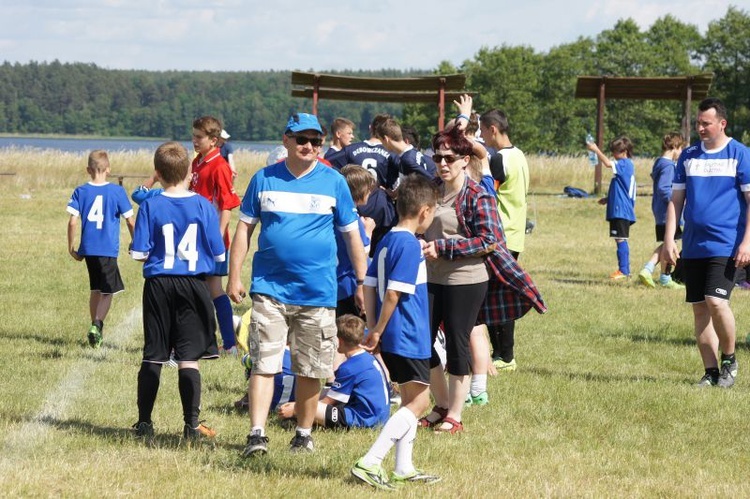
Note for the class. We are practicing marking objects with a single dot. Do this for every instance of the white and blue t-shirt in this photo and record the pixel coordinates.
(714, 182)
(100, 207)
(360, 383)
(399, 265)
(296, 258)
(178, 235)
(621, 194)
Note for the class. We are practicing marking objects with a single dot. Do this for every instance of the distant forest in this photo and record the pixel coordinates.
(536, 89)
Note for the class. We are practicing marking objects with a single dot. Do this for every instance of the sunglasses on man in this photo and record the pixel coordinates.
(301, 140)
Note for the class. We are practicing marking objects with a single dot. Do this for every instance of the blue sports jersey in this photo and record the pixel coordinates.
(662, 174)
(284, 382)
(374, 157)
(715, 210)
(100, 207)
(345, 275)
(399, 265)
(141, 193)
(360, 383)
(296, 258)
(621, 195)
(177, 235)
(413, 161)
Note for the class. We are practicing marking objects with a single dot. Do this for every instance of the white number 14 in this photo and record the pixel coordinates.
(186, 250)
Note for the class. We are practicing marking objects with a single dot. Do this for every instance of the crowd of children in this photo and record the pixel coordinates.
(444, 233)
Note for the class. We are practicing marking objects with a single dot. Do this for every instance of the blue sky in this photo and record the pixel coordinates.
(234, 35)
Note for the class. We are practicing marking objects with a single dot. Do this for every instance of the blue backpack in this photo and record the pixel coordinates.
(575, 192)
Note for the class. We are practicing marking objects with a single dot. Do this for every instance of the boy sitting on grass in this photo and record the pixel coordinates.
(177, 237)
(358, 397)
(399, 321)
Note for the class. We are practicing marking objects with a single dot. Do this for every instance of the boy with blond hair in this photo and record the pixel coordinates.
(99, 205)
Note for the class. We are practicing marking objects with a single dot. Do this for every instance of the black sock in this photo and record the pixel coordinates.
(99, 324)
(506, 340)
(727, 358)
(148, 387)
(189, 383)
(713, 372)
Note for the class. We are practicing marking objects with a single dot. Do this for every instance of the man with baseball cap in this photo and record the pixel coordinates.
(227, 150)
(298, 203)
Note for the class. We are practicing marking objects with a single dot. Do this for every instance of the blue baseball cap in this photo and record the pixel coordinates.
(303, 121)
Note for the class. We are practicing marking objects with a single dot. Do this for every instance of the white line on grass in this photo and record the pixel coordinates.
(25, 439)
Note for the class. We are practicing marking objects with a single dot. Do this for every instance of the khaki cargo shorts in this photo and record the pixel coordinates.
(310, 331)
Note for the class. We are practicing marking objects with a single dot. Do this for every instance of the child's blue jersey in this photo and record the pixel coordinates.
(621, 195)
(284, 383)
(715, 210)
(141, 193)
(177, 234)
(345, 275)
(360, 384)
(662, 174)
(399, 265)
(296, 258)
(100, 207)
(374, 157)
(413, 161)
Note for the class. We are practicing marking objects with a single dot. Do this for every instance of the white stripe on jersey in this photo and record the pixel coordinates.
(403, 287)
(294, 202)
(716, 167)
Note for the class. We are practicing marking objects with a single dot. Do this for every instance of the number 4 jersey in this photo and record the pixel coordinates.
(100, 207)
(177, 234)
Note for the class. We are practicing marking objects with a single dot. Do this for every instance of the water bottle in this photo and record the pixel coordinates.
(592, 155)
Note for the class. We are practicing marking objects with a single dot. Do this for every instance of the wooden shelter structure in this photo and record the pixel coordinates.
(424, 89)
(683, 88)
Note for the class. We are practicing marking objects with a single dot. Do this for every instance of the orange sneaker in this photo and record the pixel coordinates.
(617, 276)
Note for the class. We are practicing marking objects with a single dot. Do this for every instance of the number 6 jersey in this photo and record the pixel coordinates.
(177, 234)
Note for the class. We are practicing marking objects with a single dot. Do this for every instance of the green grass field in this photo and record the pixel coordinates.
(602, 405)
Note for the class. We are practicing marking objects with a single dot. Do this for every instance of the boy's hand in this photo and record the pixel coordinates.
(464, 104)
(286, 411)
(75, 255)
(236, 291)
(669, 252)
(372, 341)
(430, 251)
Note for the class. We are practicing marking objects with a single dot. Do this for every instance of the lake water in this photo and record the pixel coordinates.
(110, 145)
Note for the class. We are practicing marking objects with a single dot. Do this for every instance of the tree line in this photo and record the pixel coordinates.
(536, 90)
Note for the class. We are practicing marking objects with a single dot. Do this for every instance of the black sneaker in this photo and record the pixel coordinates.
(144, 429)
(707, 380)
(257, 445)
(301, 443)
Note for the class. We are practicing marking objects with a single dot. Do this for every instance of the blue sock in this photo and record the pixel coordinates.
(664, 279)
(650, 266)
(226, 324)
(623, 257)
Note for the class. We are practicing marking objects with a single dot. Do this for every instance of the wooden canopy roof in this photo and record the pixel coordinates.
(423, 89)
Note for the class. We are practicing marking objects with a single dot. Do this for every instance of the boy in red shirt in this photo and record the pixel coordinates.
(212, 179)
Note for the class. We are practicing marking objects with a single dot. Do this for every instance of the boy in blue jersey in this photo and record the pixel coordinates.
(662, 174)
(398, 319)
(99, 205)
(712, 182)
(410, 159)
(299, 203)
(342, 134)
(283, 383)
(620, 199)
(177, 237)
(359, 395)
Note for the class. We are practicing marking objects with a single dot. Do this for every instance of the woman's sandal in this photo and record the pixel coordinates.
(456, 426)
(426, 423)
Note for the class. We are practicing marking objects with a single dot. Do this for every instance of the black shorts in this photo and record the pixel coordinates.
(660, 230)
(104, 274)
(403, 369)
(347, 306)
(619, 228)
(708, 277)
(335, 416)
(178, 314)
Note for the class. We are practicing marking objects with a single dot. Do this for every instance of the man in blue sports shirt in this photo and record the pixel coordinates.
(299, 203)
(712, 182)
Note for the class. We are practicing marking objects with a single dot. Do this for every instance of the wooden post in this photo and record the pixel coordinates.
(316, 89)
(599, 133)
(688, 105)
(441, 104)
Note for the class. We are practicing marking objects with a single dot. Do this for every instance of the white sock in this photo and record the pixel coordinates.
(305, 432)
(478, 384)
(404, 449)
(258, 430)
(394, 430)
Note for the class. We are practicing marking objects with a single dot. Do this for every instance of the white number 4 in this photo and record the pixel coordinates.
(186, 250)
(96, 213)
